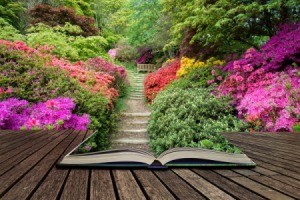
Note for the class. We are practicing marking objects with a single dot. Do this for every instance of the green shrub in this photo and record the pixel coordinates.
(191, 118)
(198, 78)
(66, 46)
(8, 32)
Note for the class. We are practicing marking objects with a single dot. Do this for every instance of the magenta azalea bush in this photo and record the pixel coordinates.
(265, 84)
(53, 114)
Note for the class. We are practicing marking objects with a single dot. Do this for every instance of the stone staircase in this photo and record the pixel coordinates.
(132, 128)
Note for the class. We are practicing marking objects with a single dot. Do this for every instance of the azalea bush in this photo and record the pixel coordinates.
(189, 64)
(157, 81)
(36, 76)
(146, 55)
(191, 118)
(265, 83)
(119, 73)
(53, 114)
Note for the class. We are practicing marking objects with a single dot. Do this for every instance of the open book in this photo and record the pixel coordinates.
(176, 157)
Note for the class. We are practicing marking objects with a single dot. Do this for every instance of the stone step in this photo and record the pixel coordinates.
(129, 117)
(131, 146)
(131, 141)
(137, 95)
(133, 131)
(133, 125)
(121, 136)
(136, 98)
(137, 114)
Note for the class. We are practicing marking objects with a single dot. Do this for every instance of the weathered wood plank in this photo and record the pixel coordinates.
(18, 139)
(151, 184)
(266, 140)
(277, 169)
(12, 176)
(270, 182)
(76, 185)
(127, 187)
(13, 151)
(25, 186)
(206, 188)
(101, 185)
(265, 145)
(11, 134)
(230, 187)
(260, 189)
(178, 187)
(53, 183)
(268, 150)
(277, 176)
(15, 160)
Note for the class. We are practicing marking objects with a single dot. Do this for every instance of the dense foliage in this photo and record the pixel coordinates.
(73, 48)
(191, 118)
(52, 16)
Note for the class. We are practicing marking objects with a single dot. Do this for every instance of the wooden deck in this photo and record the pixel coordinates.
(27, 171)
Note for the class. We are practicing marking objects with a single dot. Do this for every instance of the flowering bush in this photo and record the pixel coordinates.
(119, 73)
(31, 75)
(112, 53)
(52, 114)
(91, 80)
(275, 107)
(265, 83)
(145, 55)
(157, 81)
(188, 64)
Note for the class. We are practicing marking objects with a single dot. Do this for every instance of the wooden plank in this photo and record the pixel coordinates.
(15, 160)
(260, 189)
(127, 187)
(277, 176)
(268, 141)
(230, 187)
(76, 185)
(268, 149)
(12, 134)
(18, 138)
(4, 132)
(257, 152)
(101, 185)
(236, 138)
(177, 186)
(270, 182)
(13, 151)
(152, 186)
(53, 183)
(206, 188)
(12, 176)
(26, 185)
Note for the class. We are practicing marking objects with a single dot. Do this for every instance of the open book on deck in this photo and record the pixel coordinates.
(176, 157)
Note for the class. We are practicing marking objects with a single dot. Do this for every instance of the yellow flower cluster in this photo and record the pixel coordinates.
(189, 64)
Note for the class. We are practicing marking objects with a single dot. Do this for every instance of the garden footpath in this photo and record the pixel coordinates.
(132, 127)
